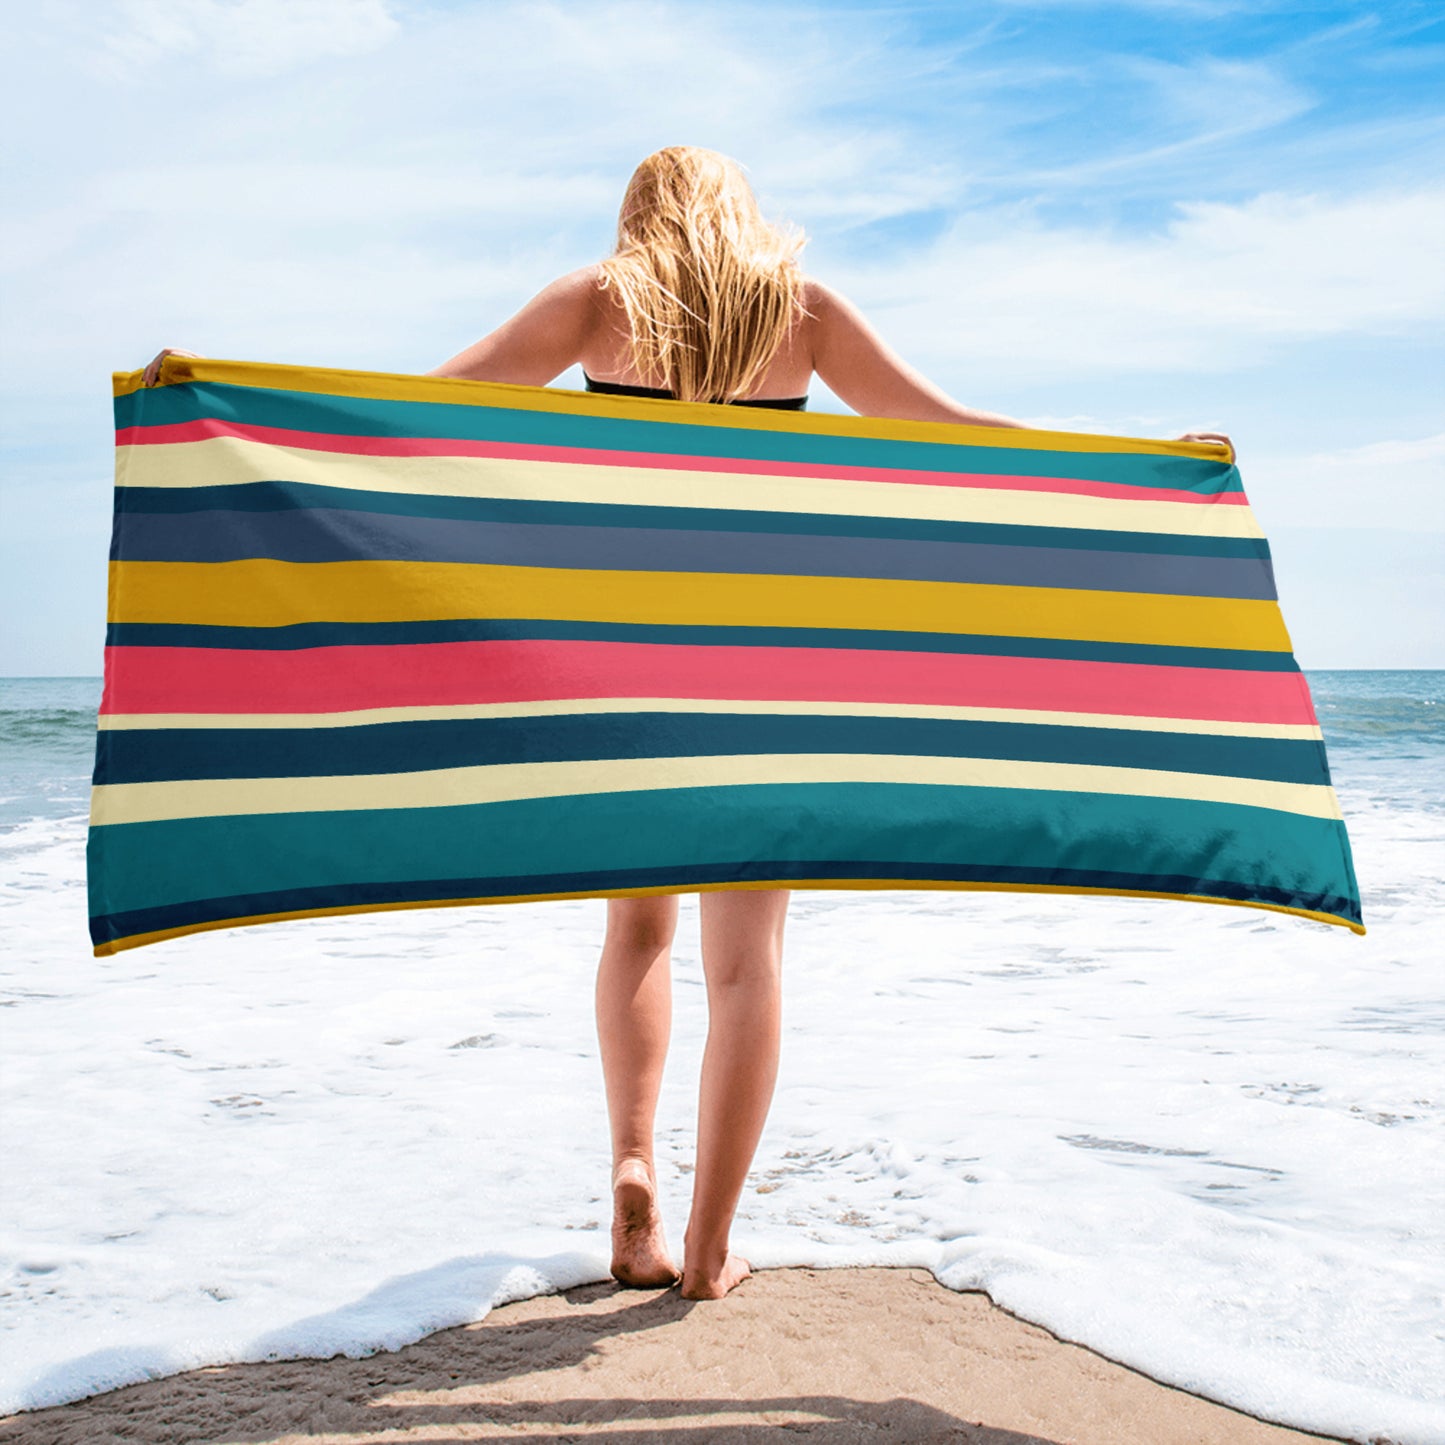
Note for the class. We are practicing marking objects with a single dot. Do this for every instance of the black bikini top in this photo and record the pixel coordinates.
(617, 388)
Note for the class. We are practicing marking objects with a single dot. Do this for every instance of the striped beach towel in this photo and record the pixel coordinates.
(381, 641)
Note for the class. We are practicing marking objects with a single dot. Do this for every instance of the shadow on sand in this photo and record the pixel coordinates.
(492, 1380)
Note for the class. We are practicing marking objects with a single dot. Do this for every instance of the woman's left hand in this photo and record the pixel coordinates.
(1206, 436)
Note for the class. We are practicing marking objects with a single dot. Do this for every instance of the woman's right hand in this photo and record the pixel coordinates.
(153, 371)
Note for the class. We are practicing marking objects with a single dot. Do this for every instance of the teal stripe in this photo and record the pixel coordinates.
(390, 634)
(147, 755)
(358, 416)
(136, 866)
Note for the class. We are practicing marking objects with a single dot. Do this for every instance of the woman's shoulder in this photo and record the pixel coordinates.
(820, 298)
(574, 301)
(826, 312)
(583, 283)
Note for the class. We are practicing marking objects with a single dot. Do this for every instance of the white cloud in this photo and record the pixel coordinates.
(1430, 450)
(1385, 484)
(1130, 425)
(1221, 286)
(236, 37)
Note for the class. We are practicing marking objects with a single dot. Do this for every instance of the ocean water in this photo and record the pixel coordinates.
(1206, 1142)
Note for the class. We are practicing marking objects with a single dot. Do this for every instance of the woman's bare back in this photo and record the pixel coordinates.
(574, 320)
(605, 352)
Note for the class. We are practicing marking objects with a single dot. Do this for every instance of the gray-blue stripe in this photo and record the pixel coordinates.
(335, 535)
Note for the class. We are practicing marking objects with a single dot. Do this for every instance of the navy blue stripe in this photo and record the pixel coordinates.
(358, 416)
(278, 496)
(303, 635)
(129, 755)
(333, 535)
(109, 928)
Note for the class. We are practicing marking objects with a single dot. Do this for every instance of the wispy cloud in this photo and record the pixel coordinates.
(249, 38)
(1384, 484)
(1220, 286)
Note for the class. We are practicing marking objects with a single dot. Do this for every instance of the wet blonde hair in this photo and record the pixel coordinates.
(709, 287)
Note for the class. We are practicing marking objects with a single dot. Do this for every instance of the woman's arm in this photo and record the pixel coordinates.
(540, 342)
(865, 373)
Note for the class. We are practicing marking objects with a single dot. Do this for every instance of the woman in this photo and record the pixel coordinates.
(704, 301)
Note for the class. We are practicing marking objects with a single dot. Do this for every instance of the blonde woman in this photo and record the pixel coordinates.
(702, 300)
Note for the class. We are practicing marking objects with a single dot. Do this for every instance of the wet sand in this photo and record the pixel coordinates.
(831, 1355)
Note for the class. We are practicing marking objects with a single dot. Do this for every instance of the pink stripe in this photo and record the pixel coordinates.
(339, 679)
(210, 427)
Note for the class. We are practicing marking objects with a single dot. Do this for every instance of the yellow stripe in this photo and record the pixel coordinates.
(262, 592)
(139, 940)
(233, 461)
(509, 782)
(564, 707)
(396, 386)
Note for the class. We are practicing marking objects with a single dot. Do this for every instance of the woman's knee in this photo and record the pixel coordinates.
(742, 937)
(642, 925)
(756, 967)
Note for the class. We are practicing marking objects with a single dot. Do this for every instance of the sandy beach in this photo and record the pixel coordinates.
(833, 1355)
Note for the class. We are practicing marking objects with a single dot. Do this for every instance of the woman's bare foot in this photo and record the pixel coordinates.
(705, 1282)
(639, 1250)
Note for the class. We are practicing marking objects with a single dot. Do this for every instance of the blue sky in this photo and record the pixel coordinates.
(1131, 218)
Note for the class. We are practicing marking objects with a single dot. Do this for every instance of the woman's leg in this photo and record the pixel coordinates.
(634, 1022)
(742, 954)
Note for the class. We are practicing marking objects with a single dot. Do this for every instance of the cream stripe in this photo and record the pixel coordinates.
(448, 787)
(566, 707)
(229, 461)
